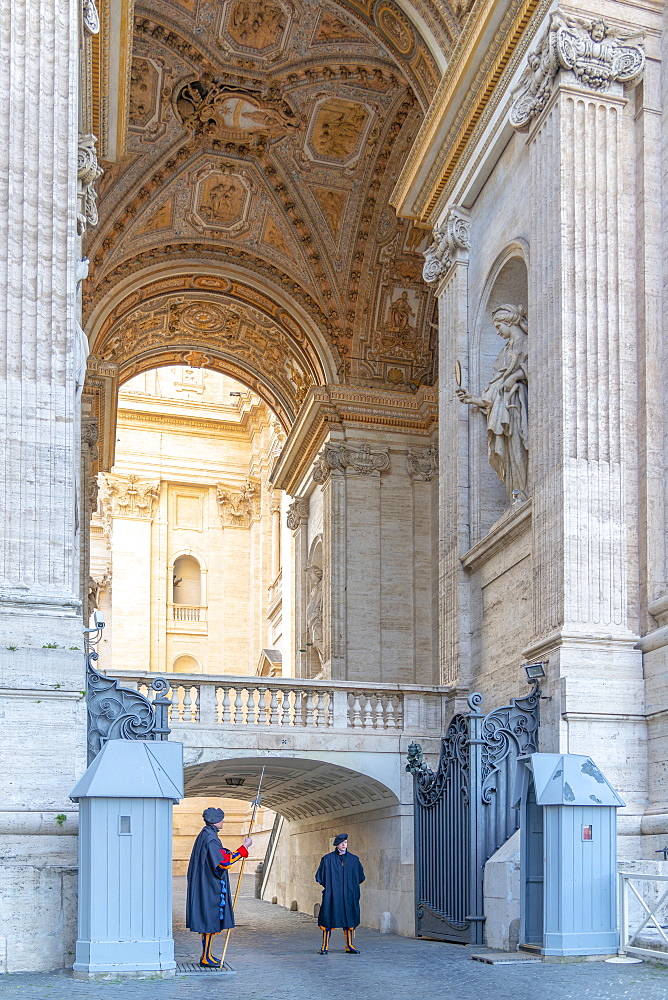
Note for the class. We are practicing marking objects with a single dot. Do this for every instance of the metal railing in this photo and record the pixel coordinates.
(188, 612)
(243, 702)
(643, 915)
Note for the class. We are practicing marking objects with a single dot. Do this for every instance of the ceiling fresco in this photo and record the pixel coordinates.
(267, 136)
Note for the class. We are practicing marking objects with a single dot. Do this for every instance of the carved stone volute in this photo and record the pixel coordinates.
(595, 54)
(451, 245)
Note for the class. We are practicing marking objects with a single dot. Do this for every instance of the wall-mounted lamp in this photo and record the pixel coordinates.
(534, 671)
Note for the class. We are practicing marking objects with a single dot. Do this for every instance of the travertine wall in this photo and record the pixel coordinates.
(383, 840)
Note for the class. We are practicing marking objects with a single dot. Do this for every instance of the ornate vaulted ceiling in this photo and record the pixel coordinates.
(247, 225)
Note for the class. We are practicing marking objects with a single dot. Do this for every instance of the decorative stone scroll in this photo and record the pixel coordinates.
(359, 460)
(130, 497)
(89, 172)
(238, 508)
(597, 55)
(422, 464)
(297, 512)
(451, 245)
(90, 17)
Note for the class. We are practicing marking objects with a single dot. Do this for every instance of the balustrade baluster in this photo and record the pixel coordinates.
(321, 719)
(390, 721)
(187, 705)
(254, 707)
(238, 706)
(368, 716)
(264, 711)
(218, 698)
(303, 709)
(273, 708)
(379, 722)
(357, 711)
(226, 706)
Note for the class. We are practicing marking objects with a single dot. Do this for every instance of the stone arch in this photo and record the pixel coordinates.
(297, 787)
(214, 317)
(506, 282)
(186, 663)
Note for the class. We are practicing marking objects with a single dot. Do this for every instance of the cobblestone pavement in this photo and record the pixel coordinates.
(275, 956)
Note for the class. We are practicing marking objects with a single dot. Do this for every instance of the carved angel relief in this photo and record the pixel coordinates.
(596, 54)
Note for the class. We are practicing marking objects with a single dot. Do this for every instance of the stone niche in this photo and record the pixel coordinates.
(506, 284)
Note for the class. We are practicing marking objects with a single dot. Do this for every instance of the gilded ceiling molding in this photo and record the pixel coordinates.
(461, 102)
(111, 55)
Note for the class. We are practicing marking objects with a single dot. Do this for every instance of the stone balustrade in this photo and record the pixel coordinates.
(268, 703)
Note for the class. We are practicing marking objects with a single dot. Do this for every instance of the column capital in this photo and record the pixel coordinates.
(422, 464)
(238, 507)
(359, 460)
(128, 496)
(450, 246)
(297, 513)
(587, 51)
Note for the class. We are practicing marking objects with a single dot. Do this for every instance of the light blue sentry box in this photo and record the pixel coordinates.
(125, 859)
(568, 855)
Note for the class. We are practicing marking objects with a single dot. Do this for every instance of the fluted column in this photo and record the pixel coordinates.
(38, 254)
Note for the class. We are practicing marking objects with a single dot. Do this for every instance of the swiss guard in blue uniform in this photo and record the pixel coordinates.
(340, 873)
(208, 901)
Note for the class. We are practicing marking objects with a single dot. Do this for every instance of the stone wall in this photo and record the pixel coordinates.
(383, 840)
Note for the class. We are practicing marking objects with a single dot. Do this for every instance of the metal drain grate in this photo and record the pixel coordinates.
(195, 969)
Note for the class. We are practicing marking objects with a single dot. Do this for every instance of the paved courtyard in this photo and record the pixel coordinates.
(275, 956)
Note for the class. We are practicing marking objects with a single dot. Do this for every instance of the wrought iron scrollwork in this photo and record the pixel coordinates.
(118, 713)
(510, 729)
(454, 760)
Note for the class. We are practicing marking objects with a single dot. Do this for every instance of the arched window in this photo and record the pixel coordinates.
(187, 581)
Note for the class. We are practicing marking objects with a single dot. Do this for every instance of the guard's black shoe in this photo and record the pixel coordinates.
(352, 951)
(323, 951)
(210, 963)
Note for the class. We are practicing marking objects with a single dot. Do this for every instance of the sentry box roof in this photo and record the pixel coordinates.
(134, 769)
(563, 779)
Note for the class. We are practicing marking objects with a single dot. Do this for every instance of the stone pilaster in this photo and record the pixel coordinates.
(297, 522)
(581, 402)
(446, 267)
(128, 506)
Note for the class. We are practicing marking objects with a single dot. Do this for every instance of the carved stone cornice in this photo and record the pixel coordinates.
(422, 464)
(450, 246)
(89, 172)
(330, 411)
(297, 513)
(358, 460)
(238, 508)
(127, 496)
(593, 54)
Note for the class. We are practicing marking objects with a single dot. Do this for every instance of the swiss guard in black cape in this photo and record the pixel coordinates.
(340, 873)
(208, 901)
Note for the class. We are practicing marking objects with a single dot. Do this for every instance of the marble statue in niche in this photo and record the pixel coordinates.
(314, 607)
(504, 402)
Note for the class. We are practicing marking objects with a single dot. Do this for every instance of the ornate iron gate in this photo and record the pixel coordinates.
(463, 813)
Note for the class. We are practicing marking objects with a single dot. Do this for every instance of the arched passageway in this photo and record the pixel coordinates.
(316, 798)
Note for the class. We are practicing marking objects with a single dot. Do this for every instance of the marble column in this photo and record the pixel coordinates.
(41, 662)
(446, 269)
(582, 406)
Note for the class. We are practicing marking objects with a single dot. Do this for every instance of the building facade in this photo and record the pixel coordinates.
(428, 241)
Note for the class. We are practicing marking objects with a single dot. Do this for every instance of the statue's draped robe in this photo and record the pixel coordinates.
(506, 401)
(208, 900)
(340, 876)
